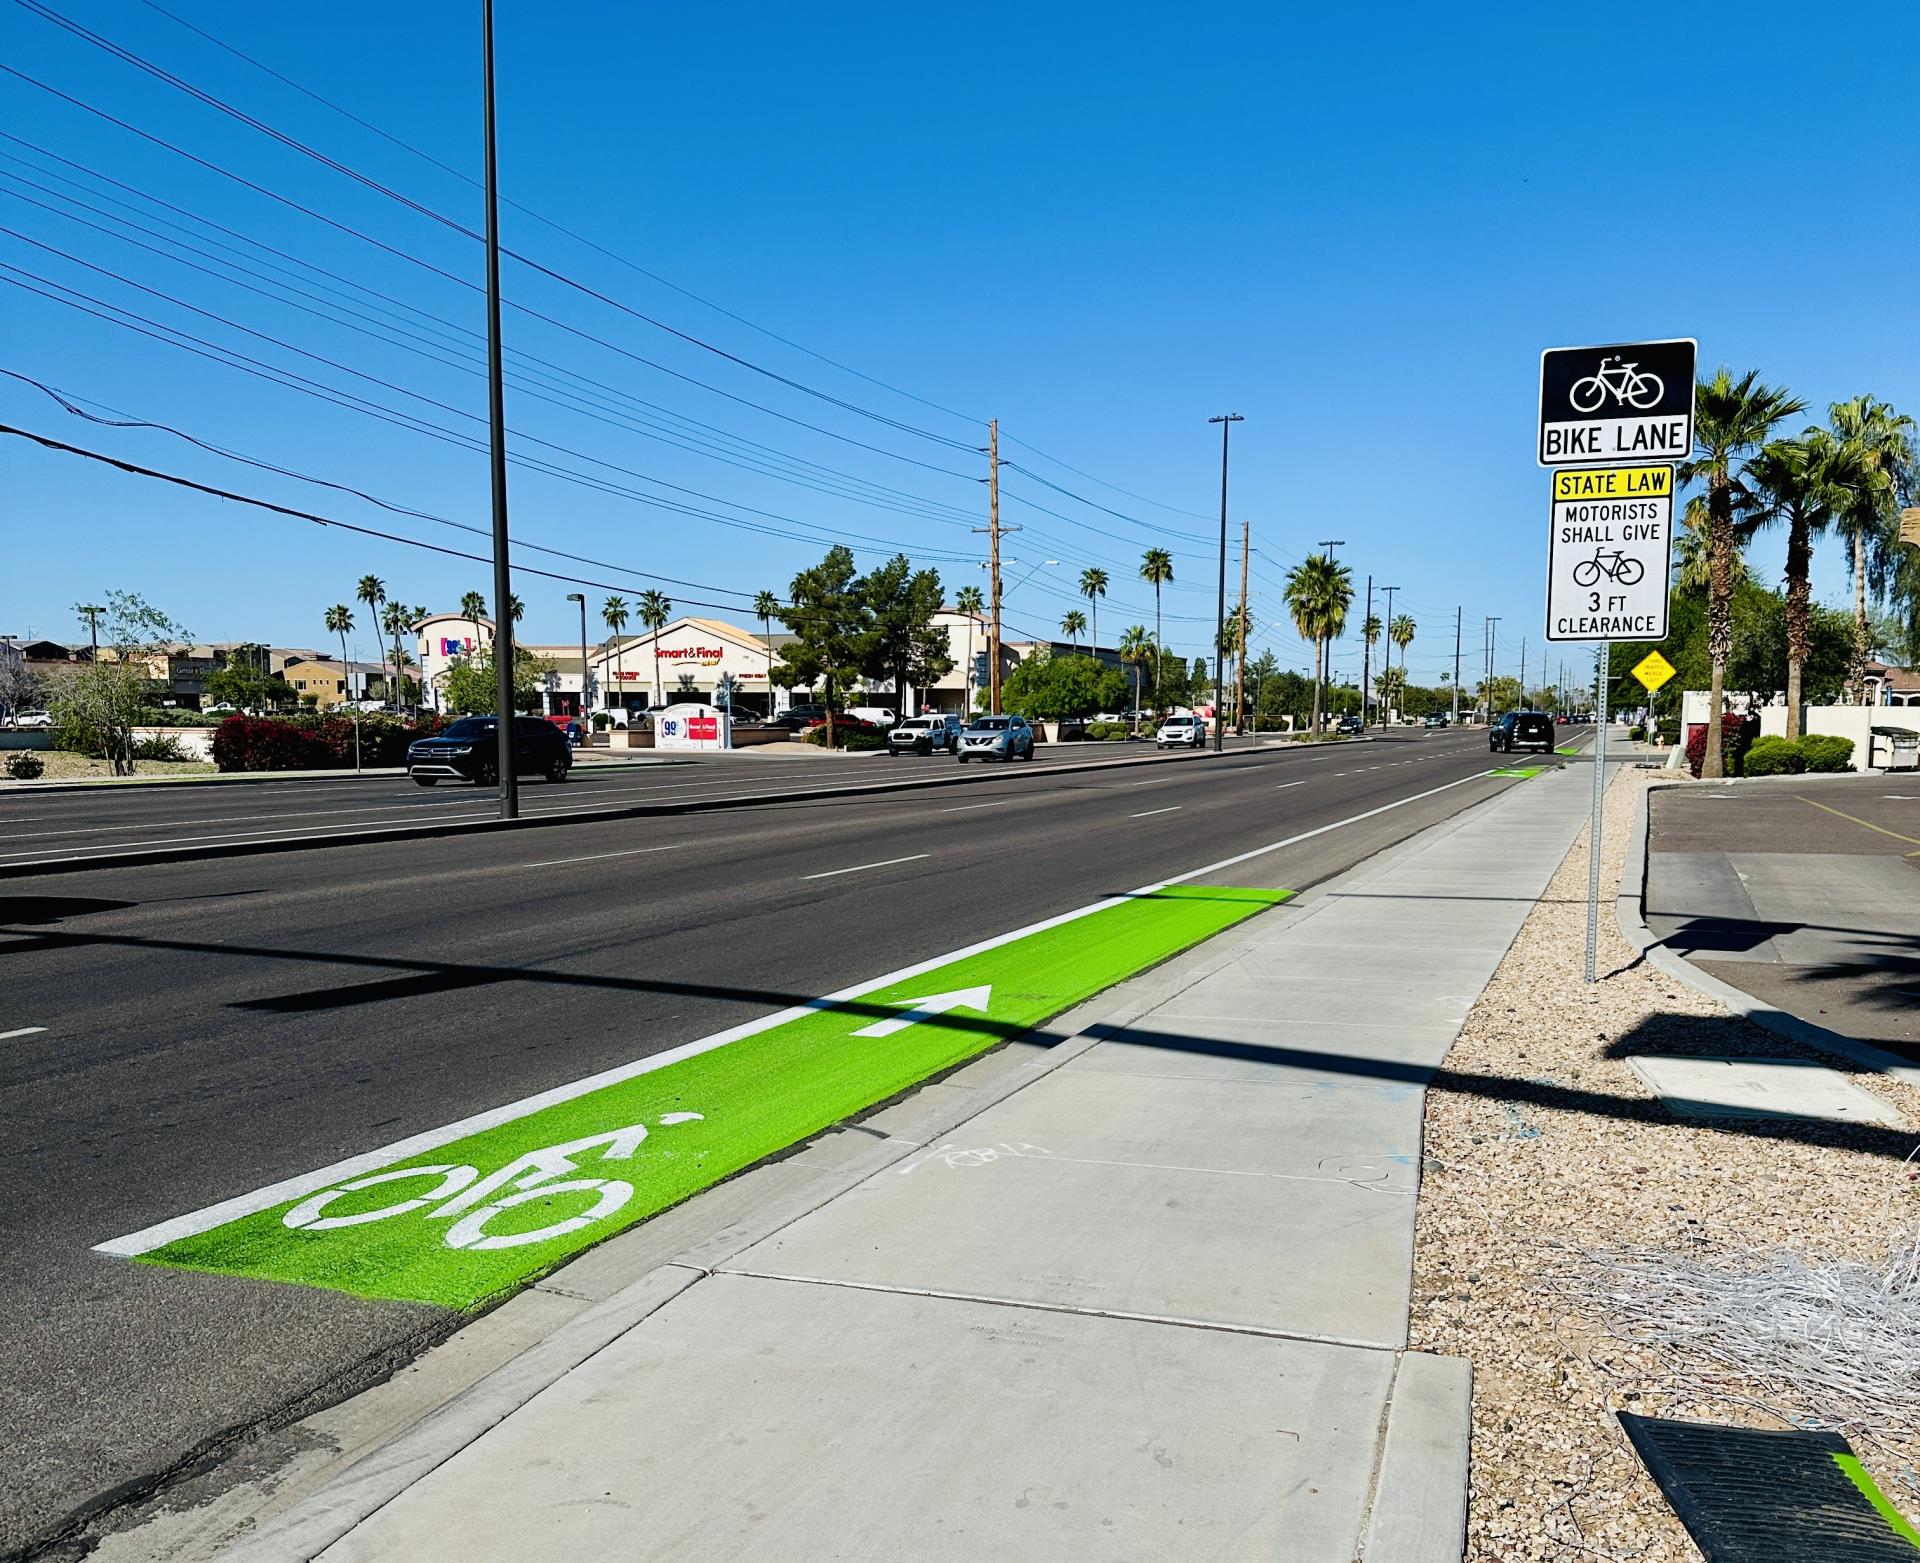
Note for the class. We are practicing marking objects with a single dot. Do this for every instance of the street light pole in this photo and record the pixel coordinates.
(497, 440)
(1387, 636)
(586, 713)
(1226, 421)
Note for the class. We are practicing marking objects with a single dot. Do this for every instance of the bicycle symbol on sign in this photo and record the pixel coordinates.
(1617, 566)
(471, 1201)
(1626, 383)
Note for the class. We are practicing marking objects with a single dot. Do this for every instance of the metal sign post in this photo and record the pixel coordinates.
(1599, 793)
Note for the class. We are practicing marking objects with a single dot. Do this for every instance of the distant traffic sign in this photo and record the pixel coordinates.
(1608, 562)
(1630, 402)
(1653, 670)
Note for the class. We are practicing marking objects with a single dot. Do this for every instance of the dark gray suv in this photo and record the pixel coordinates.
(1521, 730)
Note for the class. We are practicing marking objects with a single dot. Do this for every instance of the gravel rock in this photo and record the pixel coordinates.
(1543, 1147)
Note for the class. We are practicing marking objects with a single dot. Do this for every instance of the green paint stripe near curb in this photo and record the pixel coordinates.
(1856, 1473)
(1568, 749)
(1522, 772)
(466, 1222)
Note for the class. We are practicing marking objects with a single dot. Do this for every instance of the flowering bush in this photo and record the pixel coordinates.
(314, 743)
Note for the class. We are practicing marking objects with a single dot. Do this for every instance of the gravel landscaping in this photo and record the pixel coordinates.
(1590, 1253)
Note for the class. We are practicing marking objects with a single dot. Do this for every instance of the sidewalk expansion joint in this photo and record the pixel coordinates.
(1029, 1305)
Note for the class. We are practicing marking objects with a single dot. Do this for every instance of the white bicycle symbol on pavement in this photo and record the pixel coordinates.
(470, 1201)
(1626, 383)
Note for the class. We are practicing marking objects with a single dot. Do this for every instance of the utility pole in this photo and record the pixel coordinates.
(1366, 656)
(1456, 666)
(1493, 637)
(1240, 690)
(1523, 672)
(586, 713)
(1387, 635)
(497, 440)
(92, 615)
(1226, 421)
(992, 529)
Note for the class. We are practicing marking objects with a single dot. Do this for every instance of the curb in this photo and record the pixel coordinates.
(1420, 1484)
(248, 778)
(362, 835)
(1627, 912)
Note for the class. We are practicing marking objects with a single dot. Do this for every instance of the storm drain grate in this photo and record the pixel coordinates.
(1755, 1497)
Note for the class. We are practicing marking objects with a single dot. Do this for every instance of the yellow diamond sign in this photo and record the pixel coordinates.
(1653, 670)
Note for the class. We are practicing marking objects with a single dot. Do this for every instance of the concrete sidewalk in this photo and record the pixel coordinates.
(1140, 1294)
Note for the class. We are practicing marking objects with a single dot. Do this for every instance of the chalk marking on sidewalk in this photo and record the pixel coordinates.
(861, 868)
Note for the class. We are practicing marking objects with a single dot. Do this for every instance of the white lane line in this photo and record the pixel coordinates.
(1171, 809)
(595, 857)
(860, 868)
(965, 807)
(1285, 785)
(302, 1184)
(21, 1031)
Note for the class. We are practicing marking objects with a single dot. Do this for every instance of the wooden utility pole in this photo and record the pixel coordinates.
(1240, 686)
(993, 567)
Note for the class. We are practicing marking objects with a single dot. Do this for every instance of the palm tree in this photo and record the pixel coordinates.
(373, 592)
(1370, 633)
(1881, 441)
(1135, 647)
(1072, 623)
(1731, 417)
(516, 609)
(395, 621)
(1804, 483)
(613, 613)
(474, 607)
(1400, 632)
(655, 610)
(1318, 594)
(339, 621)
(971, 602)
(1093, 586)
(765, 606)
(1156, 566)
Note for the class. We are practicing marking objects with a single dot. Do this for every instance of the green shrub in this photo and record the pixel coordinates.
(25, 765)
(1823, 752)
(1636, 733)
(858, 741)
(1118, 732)
(1775, 757)
(1098, 730)
(161, 746)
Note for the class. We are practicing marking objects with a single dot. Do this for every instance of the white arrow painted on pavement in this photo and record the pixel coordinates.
(925, 1009)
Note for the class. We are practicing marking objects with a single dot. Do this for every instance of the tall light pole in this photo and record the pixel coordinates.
(586, 718)
(497, 439)
(1226, 420)
(1387, 636)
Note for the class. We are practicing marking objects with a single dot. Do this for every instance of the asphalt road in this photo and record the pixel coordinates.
(175, 1034)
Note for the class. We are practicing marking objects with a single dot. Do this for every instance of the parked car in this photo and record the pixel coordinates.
(924, 734)
(468, 751)
(995, 738)
(798, 716)
(1435, 720)
(32, 719)
(880, 716)
(1182, 732)
(1521, 730)
(1348, 727)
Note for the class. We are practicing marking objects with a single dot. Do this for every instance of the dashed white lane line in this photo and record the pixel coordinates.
(21, 1031)
(1285, 785)
(963, 808)
(1173, 809)
(595, 857)
(862, 867)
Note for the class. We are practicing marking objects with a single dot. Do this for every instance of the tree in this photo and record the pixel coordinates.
(828, 618)
(1073, 624)
(396, 619)
(247, 682)
(469, 685)
(1056, 689)
(1731, 418)
(340, 621)
(655, 610)
(613, 613)
(1199, 680)
(1400, 632)
(1260, 671)
(19, 688)
(1318, 593)
(971, 602)
(1803, 482)
(1156, 567)
(902, 643)
(766, 607)
(516, 609)
(1881, 441)
(372, 591)
(474, 607)
(1136, 646)
(1093, 586)
(96, 707)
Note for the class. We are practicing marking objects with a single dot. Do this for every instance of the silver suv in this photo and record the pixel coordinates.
(1188, 732)
(995, 738)
(924, 734)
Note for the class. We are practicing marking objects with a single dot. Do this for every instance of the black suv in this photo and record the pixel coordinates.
(470, 751)
(1521, 730)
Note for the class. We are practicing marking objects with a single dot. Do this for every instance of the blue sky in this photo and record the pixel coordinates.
(1100, 225)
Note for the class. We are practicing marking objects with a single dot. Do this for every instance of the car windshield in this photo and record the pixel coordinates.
(990, 724)
(471, 727)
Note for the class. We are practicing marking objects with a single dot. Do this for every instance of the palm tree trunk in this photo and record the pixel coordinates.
(1862, 636)
(1798, 592)
(1719, 615)
(1319, 655)
(1159, 652)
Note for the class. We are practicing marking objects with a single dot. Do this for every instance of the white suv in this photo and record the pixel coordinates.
(1185, 732)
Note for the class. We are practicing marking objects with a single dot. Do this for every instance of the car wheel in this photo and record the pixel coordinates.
(1029, 754)
(923, 748)
(961, 758)
(486, 776)
(557, 772)
(426, 781)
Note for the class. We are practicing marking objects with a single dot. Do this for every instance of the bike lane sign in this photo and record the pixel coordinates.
(1610, 554)
(1627, 402)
